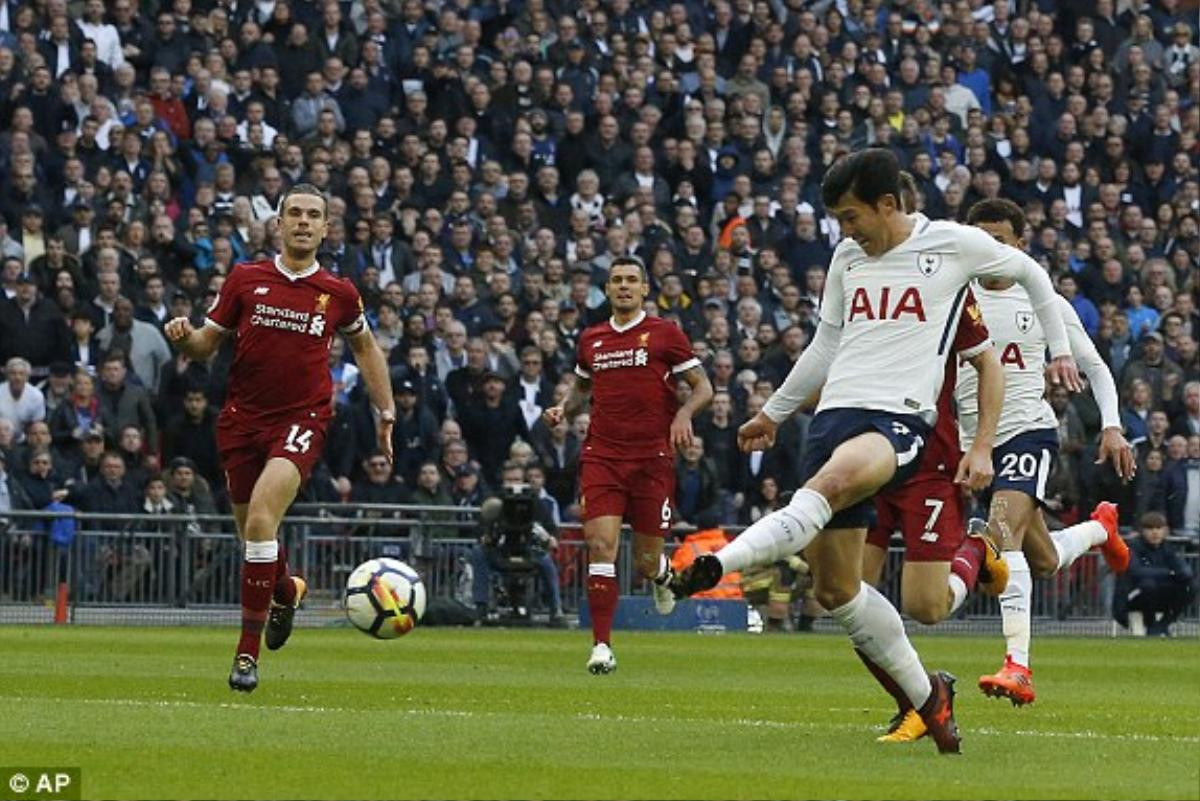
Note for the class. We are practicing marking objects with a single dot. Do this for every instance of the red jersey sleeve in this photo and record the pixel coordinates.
(350, 319)
(971, 337)
(227, 306)
(678, 350)
(583, 368)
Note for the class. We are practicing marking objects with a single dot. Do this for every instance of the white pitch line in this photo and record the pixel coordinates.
(593, 717)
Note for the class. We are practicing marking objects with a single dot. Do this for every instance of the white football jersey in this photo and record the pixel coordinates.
(898, 313)
(1021, 345)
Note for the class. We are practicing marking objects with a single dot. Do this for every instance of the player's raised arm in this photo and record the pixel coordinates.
(197, 343)
(987, 258)
(1113, 445)
(373, 365)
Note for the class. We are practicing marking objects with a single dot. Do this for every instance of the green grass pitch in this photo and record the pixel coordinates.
(513, 714)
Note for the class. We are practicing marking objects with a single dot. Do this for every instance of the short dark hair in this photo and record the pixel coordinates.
(304, 189)
(630, 261)
(1153, 520)
(998, 210)
(869, 174)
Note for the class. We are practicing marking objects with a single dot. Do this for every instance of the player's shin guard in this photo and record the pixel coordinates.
(778, 535)
(1014, 607)
(602, 599)
(877, 631)
(1072, 543)
(285, 589)
(258, 583)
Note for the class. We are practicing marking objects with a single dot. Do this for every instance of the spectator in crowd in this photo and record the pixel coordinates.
(21, 403)
(1182, 481)
(31, 326)
(123, 403)
(142, 342)
(1158, 586)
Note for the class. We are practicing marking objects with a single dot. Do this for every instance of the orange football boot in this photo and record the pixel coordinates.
(1114, 549)
(1013, 681)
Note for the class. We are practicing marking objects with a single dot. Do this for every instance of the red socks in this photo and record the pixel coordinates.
(886, 681)
(602, 599)
(967, 560)
(258, 584)
(285, 588)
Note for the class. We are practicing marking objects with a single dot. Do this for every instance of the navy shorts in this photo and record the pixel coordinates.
(830, 428)
(1024, 463)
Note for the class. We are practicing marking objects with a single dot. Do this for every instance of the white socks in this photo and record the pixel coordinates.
(779, 534)
(1014, 607)
(876, 629)
(958, 589)
(262, 551)
(1072, 543)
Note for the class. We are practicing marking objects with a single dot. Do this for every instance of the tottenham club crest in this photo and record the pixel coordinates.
(1024, 321)
(929, 263)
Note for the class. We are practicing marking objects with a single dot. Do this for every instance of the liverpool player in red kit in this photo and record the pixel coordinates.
(283, 314)
(628, 365)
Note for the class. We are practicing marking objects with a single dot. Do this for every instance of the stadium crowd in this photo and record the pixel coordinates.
(486, 161)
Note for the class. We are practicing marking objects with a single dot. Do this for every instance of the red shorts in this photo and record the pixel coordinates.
(641, 491)
(246, 446)
(928, 511)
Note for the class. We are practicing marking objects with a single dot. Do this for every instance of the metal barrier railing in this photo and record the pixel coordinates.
(194, 561)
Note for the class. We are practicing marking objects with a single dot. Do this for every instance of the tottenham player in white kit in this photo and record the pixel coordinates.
(891, 302)
(1026, 449)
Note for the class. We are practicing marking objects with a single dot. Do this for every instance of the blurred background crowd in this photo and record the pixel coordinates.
(486, 161)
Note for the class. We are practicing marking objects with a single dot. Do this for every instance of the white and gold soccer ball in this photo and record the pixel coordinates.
(385, 598)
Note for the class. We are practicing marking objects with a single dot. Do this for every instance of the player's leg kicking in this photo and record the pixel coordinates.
(827, 517)
(940, 567)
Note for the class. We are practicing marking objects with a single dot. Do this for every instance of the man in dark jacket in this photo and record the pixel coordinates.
(32, 327)
(193, 433)
(1158, 586)
(414, 437)
(490, 423)
(123, 403)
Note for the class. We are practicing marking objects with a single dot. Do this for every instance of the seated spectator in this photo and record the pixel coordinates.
(1158, 586)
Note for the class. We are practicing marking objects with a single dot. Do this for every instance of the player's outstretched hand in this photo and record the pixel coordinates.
(681, 432)
(757, 433)
(554, 415)
(975, 469)
(1062, 370)
(178, 329)
(1116, 449)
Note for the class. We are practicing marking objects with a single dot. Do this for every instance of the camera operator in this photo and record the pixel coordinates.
(516, 525)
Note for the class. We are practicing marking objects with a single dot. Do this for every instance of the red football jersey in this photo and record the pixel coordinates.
(633, 398)
(284, 323)
(970, 338)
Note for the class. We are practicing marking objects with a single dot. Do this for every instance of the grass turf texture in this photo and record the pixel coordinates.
(513, 714)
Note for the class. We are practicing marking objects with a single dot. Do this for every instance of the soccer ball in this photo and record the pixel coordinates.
(384, 598)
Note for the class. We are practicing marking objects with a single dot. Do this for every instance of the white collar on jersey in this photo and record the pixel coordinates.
(294, 276)
(621, 329)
